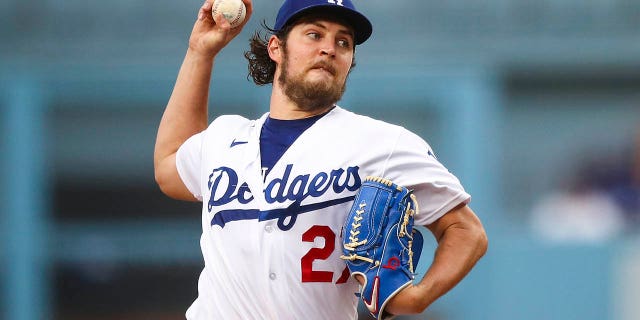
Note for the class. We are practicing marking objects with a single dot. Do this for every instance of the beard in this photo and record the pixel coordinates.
(310, 95)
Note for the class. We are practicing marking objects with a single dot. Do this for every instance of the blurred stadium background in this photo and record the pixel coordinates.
(535, 105)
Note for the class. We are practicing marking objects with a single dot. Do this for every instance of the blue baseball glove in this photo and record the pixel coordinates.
(380, 243)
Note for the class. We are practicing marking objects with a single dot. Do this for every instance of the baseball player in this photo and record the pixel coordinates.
(276, 190)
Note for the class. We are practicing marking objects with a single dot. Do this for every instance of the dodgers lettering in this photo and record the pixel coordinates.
(224, 188)
(299, 188)
(243, 194)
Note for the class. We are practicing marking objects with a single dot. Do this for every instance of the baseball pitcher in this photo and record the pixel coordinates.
(309, 209)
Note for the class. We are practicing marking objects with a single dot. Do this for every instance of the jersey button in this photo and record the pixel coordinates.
(268, 229)
(272, 276)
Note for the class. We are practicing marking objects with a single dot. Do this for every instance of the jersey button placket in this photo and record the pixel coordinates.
(269, 230)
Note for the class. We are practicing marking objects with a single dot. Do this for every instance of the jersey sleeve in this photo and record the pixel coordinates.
(188, 163)
(414, 165)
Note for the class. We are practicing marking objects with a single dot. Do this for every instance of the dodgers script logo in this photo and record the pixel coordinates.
(225, 187)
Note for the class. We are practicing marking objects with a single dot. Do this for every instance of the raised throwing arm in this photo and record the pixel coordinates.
(186, 113)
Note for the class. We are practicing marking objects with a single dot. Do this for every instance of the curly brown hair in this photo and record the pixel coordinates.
(261, 68)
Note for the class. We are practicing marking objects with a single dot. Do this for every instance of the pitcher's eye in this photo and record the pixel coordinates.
(344, 43)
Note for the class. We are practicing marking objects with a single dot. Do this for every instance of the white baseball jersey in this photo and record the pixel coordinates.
(271, 245)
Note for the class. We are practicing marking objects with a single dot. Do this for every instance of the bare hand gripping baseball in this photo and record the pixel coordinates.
(212, 32)
(380, 245)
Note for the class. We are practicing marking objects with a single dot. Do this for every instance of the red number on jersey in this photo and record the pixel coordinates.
(322, 253)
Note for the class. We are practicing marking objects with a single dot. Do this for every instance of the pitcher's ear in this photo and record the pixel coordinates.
(274, 47)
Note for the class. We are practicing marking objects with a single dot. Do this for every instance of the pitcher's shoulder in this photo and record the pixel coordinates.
(230, 120)
(349, 119)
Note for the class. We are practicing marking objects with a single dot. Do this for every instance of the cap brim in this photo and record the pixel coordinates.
(361, 25)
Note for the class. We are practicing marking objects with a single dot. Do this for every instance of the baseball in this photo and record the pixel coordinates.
(232, 10)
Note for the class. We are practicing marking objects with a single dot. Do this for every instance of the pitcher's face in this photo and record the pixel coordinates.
(315, 63)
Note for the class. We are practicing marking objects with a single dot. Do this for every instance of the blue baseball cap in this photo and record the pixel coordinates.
(342, 8)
